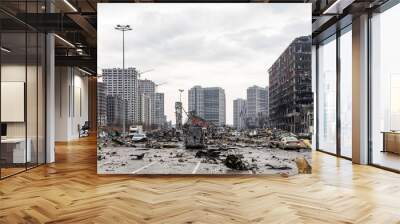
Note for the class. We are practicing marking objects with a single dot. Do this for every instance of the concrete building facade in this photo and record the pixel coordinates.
(239, 113)
(125, 84)
(291, 96)
(115, 108)
(257, 106)
(208, 103)
(196, 101)
(101, 104)
(147, 96)
(159, 113)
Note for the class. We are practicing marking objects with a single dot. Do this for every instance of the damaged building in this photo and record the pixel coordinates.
(290, 90)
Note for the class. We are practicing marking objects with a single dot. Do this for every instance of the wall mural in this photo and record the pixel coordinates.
(204, 89)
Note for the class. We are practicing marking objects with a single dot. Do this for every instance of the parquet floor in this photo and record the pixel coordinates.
(70, 191)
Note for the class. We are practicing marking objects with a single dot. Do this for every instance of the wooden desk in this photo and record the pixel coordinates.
(13, 150)
(391, 141)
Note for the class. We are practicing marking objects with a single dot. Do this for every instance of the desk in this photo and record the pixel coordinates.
(391, 141)
(13, 150)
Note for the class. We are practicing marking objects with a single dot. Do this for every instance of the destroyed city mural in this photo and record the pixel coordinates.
(204, 89)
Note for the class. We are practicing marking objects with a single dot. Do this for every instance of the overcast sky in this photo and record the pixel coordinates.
(224, 45)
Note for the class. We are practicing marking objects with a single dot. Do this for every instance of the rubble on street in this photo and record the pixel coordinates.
(226, 151)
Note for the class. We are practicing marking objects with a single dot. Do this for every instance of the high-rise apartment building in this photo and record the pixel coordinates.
(257, 106)
(239, 113)
(115, 110)
(196, 101)
(146, 106)
(291, 97)
(123, 83)
(208, 103)
(159, 104)
(147, 96)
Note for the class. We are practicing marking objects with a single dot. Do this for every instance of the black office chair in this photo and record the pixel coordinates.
(84, 130)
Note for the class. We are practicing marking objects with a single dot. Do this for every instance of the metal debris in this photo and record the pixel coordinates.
(138, 157)
(236, 162)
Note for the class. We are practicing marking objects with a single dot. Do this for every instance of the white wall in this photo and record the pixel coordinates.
(16, 73)
(33, 125)
(71, 103)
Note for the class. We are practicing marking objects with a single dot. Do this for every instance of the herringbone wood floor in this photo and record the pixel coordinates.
(70, 191)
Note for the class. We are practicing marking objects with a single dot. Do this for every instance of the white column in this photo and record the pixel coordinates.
(360, 90)
(50, 99)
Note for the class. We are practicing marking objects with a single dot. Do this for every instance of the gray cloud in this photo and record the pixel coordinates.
(227, 45)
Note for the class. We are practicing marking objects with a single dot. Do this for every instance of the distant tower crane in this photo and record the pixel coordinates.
(140, 73)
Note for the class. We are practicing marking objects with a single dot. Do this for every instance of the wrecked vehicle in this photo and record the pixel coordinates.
(292, 143)
(139, 137)
(135, 130)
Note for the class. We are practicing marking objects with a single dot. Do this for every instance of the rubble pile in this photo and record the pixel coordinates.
(262, 151)
(210, 155)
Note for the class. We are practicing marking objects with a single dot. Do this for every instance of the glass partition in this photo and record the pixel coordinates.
(385, 89)
(22, 77)
(13, 91)
(31, 97)
(327, 95)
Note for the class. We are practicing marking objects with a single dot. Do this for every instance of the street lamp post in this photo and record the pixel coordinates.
(123, 28)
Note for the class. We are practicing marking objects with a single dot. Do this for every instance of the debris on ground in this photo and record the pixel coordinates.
(278, 166)
(137, 157)
(210, 153)
(217, 149)
(117, 141)
(169, 146)
(236, 162)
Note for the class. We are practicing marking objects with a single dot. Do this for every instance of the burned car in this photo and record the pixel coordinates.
(292, 143)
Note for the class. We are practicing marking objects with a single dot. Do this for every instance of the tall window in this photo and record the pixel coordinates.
(327, 96)
(346, 93)
(385, 89)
